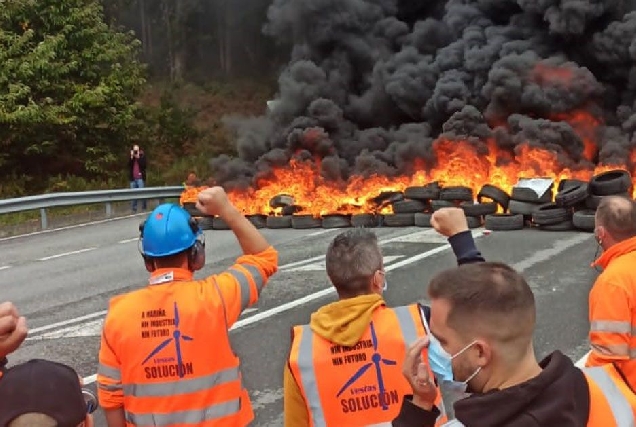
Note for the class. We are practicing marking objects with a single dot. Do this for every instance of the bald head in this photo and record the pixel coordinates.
(617, 215)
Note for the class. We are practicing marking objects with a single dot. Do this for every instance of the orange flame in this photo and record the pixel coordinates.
(458, 164)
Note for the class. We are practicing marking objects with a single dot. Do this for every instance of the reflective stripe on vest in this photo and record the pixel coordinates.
(619, 405)
(379, 390)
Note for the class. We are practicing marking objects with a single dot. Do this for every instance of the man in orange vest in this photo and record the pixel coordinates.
(482, 323)
(612, 301)
(165, 357)
(343, 368)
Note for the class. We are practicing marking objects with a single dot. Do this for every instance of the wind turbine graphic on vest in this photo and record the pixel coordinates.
(375, 360)
(177, 337)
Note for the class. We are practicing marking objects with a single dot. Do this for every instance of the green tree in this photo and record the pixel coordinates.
(68, 89)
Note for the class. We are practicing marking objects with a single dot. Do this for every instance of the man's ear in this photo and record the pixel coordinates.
(484, 352)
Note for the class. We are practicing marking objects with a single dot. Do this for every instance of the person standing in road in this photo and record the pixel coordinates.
(165, 357)
(137, 173)
(483, 318)
(342, 368)
(612, 300)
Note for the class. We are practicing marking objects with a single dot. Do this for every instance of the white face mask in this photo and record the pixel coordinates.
(386, 285)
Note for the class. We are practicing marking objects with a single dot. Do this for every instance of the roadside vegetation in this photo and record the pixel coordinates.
(77, 89)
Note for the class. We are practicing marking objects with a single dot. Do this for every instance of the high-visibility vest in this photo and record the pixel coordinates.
(612, 403)
(359, 385)
(177, 367)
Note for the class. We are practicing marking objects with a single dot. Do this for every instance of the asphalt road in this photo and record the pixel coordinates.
(62, 281)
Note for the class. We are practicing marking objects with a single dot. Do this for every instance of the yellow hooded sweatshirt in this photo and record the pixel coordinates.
(342, 322)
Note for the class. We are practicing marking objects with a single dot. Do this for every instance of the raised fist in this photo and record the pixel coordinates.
(213, 201)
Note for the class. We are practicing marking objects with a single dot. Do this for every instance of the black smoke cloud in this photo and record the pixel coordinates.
(371, 84)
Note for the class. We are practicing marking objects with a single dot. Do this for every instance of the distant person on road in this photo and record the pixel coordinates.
(42, 393)
(137, 173)
(13, 332)
(165, 357)
(612, 301)
(343, 367)
(483, 318)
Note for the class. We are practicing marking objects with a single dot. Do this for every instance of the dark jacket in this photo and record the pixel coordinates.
(142, 166)
(558, 397)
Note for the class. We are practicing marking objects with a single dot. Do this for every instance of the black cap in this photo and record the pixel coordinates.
(43, 387)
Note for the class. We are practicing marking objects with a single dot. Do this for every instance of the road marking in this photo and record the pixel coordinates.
(46, 258)
(581, 362)
(66, 322)
(128, 240)
(92, 328)
(546, 254)
(318, 233)
(397, 239)
(321, 266)
(4, 267)
(68, 227)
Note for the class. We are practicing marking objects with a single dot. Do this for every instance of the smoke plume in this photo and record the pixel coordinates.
(372, 84)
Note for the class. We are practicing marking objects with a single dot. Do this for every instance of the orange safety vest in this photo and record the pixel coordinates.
(176, 363)
(359, 385)
(612, 402)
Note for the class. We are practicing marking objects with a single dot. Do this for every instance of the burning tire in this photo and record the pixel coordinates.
(426, 192)
(399, 220)
(291, 209)
(304, 222)
(550, 214)
(219, 224)
(584, 220)
(610, 183)
(523, 208)
(457, 193)
(409, 206)
(365, 220)
(422, 219)
(206, 222)
(191, 208)
(495, 194)
(571, 196)
(259, 221)
(593, 200)
(521, 194)
(439, 204)
(504, 222)
(336, 221)
(564, 184)
(277, 222)
(281, 200)
(560, 226)
(479, 209)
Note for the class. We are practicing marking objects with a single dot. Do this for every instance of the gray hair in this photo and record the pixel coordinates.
(352, 259)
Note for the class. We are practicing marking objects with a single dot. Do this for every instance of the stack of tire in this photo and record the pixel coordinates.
(584, 197)
(205, 221)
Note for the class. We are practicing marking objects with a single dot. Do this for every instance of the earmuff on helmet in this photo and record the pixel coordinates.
(196, 253)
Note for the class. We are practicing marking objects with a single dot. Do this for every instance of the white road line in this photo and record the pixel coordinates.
(46, 258)
(317, 295)
(128, 240)
(318, 233)
(426, 232)
(582, 360)
(35, 233)
(4, 267)
(67, 322)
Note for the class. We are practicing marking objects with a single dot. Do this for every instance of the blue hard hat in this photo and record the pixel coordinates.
(168, 230)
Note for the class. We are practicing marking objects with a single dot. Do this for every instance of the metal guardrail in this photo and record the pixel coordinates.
(44, 201)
